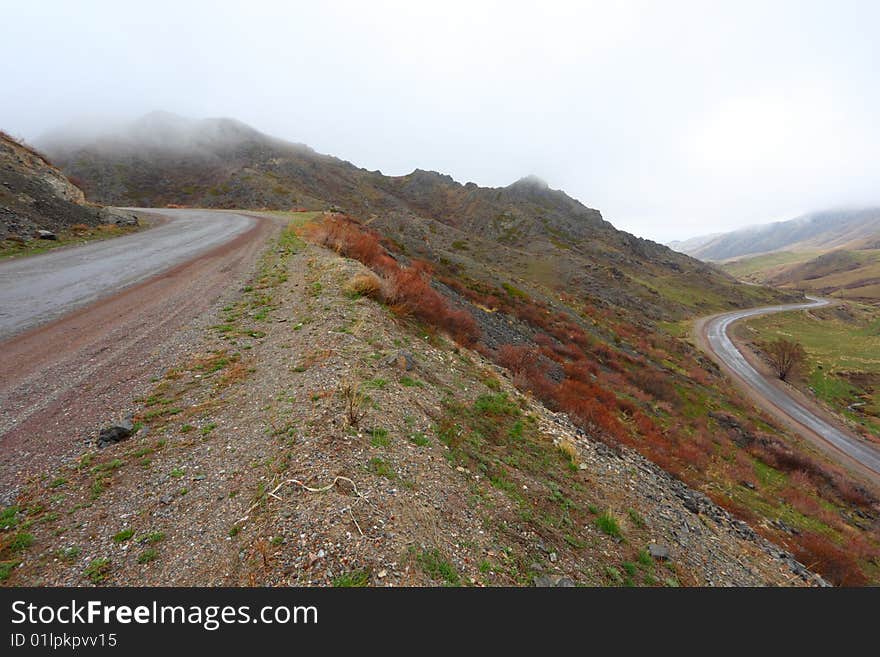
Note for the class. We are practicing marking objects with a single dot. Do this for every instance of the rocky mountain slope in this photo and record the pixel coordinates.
(541, 233)
(310, 439)
(816, 232)
(590, 321)
(35, 195)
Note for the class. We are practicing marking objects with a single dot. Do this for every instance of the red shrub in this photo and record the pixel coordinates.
(517, 358)
(406, 289)
(817, 552)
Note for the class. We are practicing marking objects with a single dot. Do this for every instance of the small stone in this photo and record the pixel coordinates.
(382, 574)
(657, 551)
(553, 557)
(403, 360)
(46, 235)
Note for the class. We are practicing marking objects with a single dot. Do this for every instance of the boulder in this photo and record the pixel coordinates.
(117, 217)
(115, 433)
(46, 235)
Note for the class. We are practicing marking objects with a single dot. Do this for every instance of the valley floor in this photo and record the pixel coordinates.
(842, 371)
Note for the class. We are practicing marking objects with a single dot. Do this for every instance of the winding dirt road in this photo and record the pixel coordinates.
(84, 329)
(712, 335)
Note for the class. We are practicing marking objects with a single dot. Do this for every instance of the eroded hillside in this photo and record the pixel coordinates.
(38, 201)
(318, 436)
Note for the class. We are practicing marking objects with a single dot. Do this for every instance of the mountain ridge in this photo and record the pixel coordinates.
(234, 166)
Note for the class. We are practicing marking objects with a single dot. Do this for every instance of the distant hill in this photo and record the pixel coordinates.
(540, 235)
(34, 195)
(835, 253)
(818, 231)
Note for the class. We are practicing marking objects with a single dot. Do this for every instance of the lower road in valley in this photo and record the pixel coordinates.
(713, 336)
(84, 329)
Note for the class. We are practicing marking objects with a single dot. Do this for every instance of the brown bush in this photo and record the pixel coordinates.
(785, 356)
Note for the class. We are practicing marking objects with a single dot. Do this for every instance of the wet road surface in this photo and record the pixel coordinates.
(716, 333)
(34, 290)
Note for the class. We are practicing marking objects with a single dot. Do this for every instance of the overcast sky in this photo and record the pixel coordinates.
(672, 118)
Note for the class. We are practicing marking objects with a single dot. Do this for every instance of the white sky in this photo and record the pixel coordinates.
(672, 118)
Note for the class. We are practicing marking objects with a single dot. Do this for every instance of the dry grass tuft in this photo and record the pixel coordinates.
(364, 284)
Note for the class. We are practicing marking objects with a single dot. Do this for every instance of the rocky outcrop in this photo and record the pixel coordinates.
(35, 196)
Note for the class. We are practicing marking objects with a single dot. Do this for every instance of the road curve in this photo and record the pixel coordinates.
(89, 348)
(715, 332)
(37, 289)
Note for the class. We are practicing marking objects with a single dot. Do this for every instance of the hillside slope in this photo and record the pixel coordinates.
(588, 320)
(35, 195)
(540, 235)
(248, 469)
(819, 231)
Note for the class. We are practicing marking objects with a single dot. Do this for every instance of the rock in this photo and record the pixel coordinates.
(400, 359)
(46, 235)
(739, 434)
(127, 221)
(115, 433)
(695, 502)
(553, 557)
(657, 551)
(553, 581)
(117, 217)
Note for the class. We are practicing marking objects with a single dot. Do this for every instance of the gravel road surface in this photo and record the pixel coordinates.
(84, 329)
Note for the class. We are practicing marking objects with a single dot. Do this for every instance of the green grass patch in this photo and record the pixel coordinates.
(381, 468)
(379, 437)
(98, 570)
(148, 555)
(6, 568)
(607, 524)
(355, 578)
(124, 535)
(9, 517)
(19, 542)
(420, 439)
(435, 566)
